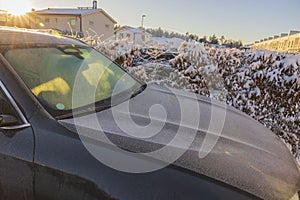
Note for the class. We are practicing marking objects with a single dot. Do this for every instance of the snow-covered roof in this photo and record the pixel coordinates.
(134, 30)
(71, 11)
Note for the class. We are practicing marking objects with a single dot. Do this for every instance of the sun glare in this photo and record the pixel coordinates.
(17, 7)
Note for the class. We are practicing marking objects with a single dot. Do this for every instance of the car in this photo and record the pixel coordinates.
(74, 125)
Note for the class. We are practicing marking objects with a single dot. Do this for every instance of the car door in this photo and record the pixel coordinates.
(16, 149)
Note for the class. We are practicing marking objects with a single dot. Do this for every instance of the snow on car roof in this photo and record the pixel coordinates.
(25, 36)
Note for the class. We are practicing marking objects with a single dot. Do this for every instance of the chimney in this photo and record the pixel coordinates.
(94, 4)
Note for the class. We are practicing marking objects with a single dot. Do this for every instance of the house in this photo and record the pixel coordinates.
(135, 35)
(82, 20)
(3, 17)
(285, 42)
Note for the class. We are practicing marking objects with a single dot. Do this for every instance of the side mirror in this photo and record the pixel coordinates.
(8, 120)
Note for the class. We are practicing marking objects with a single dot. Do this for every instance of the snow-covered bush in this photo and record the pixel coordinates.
(170, 44)
(121, 51)
(194, 62)
(263, 84)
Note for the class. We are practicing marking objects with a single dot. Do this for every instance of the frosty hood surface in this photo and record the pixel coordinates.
(244, 154)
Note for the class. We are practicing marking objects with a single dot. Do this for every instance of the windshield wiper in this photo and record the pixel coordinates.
(100, 105)
(138, 90)
(74, 51)
(82, 111)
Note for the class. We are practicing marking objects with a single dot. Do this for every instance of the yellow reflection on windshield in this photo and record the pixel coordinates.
(95, 72)
(55, 85)
(99, 76)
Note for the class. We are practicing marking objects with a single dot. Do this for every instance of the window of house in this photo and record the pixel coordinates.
(297, 42)
(47, 20)
(107, 26)
(91, 23)
(128, 35)
(37, 20)
(73, 22)
(143, 38)
(121, 36)
(56, 20)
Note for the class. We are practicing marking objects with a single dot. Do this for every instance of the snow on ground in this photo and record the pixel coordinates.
(263, 84)
(165, 43)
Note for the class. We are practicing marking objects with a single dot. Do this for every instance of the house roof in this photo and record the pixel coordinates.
(71, 11)
(134, 30)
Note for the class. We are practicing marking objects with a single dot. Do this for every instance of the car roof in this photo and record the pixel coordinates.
(18, 36)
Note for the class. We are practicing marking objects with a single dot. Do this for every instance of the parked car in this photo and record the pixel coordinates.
(48, 133)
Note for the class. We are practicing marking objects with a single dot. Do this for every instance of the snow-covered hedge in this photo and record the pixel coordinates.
(263, 84)
(266, 86)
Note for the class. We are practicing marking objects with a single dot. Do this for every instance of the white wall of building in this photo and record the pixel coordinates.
(135, 37)
(93, 23)
(98, 23)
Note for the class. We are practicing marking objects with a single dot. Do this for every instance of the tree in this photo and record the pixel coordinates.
(190, 36)
(117, 26)
(233, 43)
(222, 39)
(213, 39)
(158, 32)
(203, 39)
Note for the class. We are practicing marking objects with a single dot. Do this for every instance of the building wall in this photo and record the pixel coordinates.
(62, 22)
(94, 23)
(98, 23)
(290, 43)
(3, 17)
(132, 36)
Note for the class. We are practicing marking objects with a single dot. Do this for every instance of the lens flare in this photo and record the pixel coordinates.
(15, 7)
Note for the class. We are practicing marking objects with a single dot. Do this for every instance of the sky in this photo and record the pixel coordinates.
(247, 20)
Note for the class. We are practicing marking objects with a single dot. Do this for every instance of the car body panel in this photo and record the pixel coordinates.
(16, 153)
(61, 158)
(250, 156)
(17, 174)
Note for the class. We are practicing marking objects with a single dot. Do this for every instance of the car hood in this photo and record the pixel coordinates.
(244, 154)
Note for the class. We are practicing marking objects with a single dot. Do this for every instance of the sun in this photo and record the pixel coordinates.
(17, 7)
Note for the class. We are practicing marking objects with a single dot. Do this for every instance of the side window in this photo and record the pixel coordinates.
(73, 22)
(10, 115)
(5, 107)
